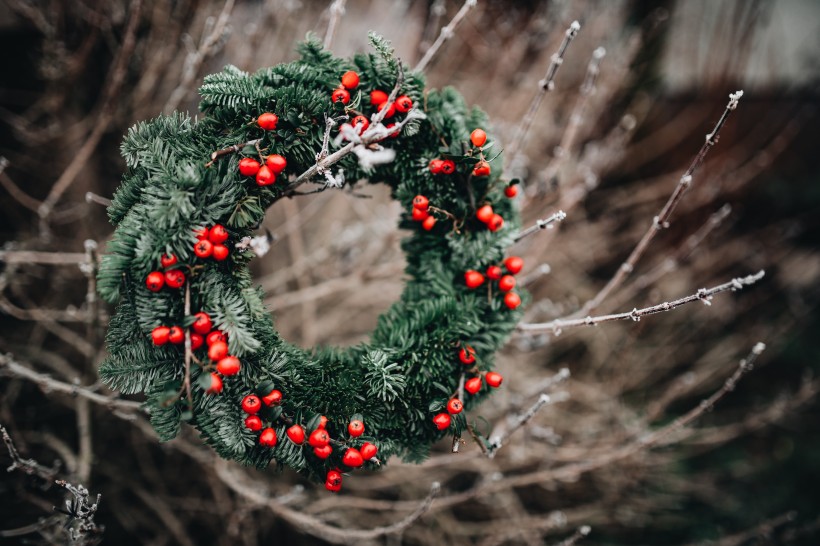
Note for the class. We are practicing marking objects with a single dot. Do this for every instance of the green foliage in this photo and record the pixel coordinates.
(411, 359)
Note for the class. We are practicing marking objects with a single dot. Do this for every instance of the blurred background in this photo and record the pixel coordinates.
(608, 151)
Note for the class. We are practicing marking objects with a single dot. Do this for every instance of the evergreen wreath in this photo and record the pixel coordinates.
(191, 330)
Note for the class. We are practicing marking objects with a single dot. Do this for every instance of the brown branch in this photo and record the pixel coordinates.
(116, 79)
(16, 193)
(189, 353)
(35, 257)
(704, 295)
(336, 10)
(546, 223)
(29, 466)
(545, 85)
(8, 366)
(582, 532)
(445, 34)
(661, 221)
(236, 148)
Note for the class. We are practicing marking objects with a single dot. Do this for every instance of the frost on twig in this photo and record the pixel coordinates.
(447, 32)
(546, 223)
(704, 294)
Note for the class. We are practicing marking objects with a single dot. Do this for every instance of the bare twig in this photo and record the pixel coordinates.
(17, 194)
(91, 197)
(545, 85)
(582, 532)
(661, 221)
(213, 35)
(48, 384)
(521, 420)
(29, 466)
(445, 34)
(335, 12)
(116, 79)
(546, 223)
(704, 295)
(36, 257)
(236, 148)
(189, 353)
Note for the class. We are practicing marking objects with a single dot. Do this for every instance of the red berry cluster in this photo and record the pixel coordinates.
(454, 405)
(473, 279)
(172, 278)
(350, 81)
(421, 212)
(488, 217)
(252, 404)
(209, 243)
(274, 164)
(442, 166)
(378, 99)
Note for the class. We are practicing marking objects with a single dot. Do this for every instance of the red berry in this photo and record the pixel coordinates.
(267, 121)
(296, 434)
(494, 272)
(167, 260)
(352, 458)
(196, 341)
(160, 335)
(455, 406)
(378, 97)
(202, 325)
(496, 222)
(482, 168)
(435, 166)
(350, 80)
(368, 451)
(421, 202)
(228, 366)
(276, 163)
(420, 215)
(220, 253)
(218, 234)
(333, 482)
(218, 351)
(429, 223)
(319, 438)
(360, 123)
(472, 385)
(514, 264)
(467, 355)
(251, 404)
(253, 422)
(177, 335)
(404, 104)
(215, 336)
(322, 422)
(248, 166)
(511, 191)
(340, 95)
(355, 428)
(203, 249)
(494, 379)
(394, 133)
(265, 176)
(202, 233)
(268, 437)
(273, 398)
(155, 281)
(442, 421)
(512, 300)
(216, 385)
(448, 166)
(478, 137)
(473, 279)
(175, 278)
(323, 452)
(506, 283)
(391, 110)
(484, 214)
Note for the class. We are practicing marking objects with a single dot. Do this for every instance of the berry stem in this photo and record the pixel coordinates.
(188, 352)
(236, 148)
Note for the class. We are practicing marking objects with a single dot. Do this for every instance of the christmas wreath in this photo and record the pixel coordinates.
(191, 330)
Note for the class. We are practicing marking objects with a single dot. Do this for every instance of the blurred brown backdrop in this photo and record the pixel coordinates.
(76, 75)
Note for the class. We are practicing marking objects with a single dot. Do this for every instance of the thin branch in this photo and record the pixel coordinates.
(16, 193)
(29, 466)
(661, 221)
(545, 85)
(117, 77)
(35, 257)
(208, 45)
(315, 526)
(521, 420)
(189, 353)
(581, 533)
(8, 366)
(704, 295)
(336, 10)
(91, 197)
(236, 148)
(445, 34)
(546, 223)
